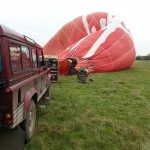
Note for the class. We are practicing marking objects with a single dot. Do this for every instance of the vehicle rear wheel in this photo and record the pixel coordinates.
(28, 125)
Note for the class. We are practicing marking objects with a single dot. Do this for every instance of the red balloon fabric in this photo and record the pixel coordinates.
(99, 41)
(64, 66)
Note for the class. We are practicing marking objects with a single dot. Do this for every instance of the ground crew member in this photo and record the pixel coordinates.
(72, 67)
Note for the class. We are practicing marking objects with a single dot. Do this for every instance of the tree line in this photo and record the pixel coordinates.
(139, 57)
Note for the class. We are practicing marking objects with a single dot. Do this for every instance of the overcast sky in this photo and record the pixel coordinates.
(41, 19)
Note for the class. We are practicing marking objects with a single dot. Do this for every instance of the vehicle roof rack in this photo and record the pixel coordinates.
(29, 40)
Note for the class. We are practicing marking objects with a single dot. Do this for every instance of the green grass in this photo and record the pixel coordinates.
(111, 113)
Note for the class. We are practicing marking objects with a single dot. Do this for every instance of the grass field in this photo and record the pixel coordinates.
(111, 113)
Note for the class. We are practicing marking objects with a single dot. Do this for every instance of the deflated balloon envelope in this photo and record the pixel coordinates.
(99, 41)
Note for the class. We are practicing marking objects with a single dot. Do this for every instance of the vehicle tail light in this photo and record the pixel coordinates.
(1, 117)
(8, 116)
(8, 122)
(8, 119)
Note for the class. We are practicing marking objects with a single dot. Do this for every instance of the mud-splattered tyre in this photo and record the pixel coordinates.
(28, 125)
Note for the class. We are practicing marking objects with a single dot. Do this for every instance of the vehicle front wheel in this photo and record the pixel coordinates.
(47, 94)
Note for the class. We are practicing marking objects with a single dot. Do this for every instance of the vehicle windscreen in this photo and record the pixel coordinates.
(0, 59)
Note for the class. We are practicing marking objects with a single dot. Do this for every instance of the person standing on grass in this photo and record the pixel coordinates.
(73, 65)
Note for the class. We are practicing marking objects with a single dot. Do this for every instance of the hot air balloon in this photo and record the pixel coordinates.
(99, 41)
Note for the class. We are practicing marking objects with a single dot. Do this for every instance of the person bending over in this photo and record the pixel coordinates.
(73, 65)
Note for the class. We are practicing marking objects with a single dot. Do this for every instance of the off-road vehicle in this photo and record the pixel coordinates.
(23, 80)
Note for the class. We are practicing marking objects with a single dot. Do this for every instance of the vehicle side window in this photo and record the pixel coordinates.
(34, 58)
(40, 58)
(0, 59)
(25, 58)
(15, 56)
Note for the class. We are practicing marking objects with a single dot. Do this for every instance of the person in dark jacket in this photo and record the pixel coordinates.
(72, 67)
